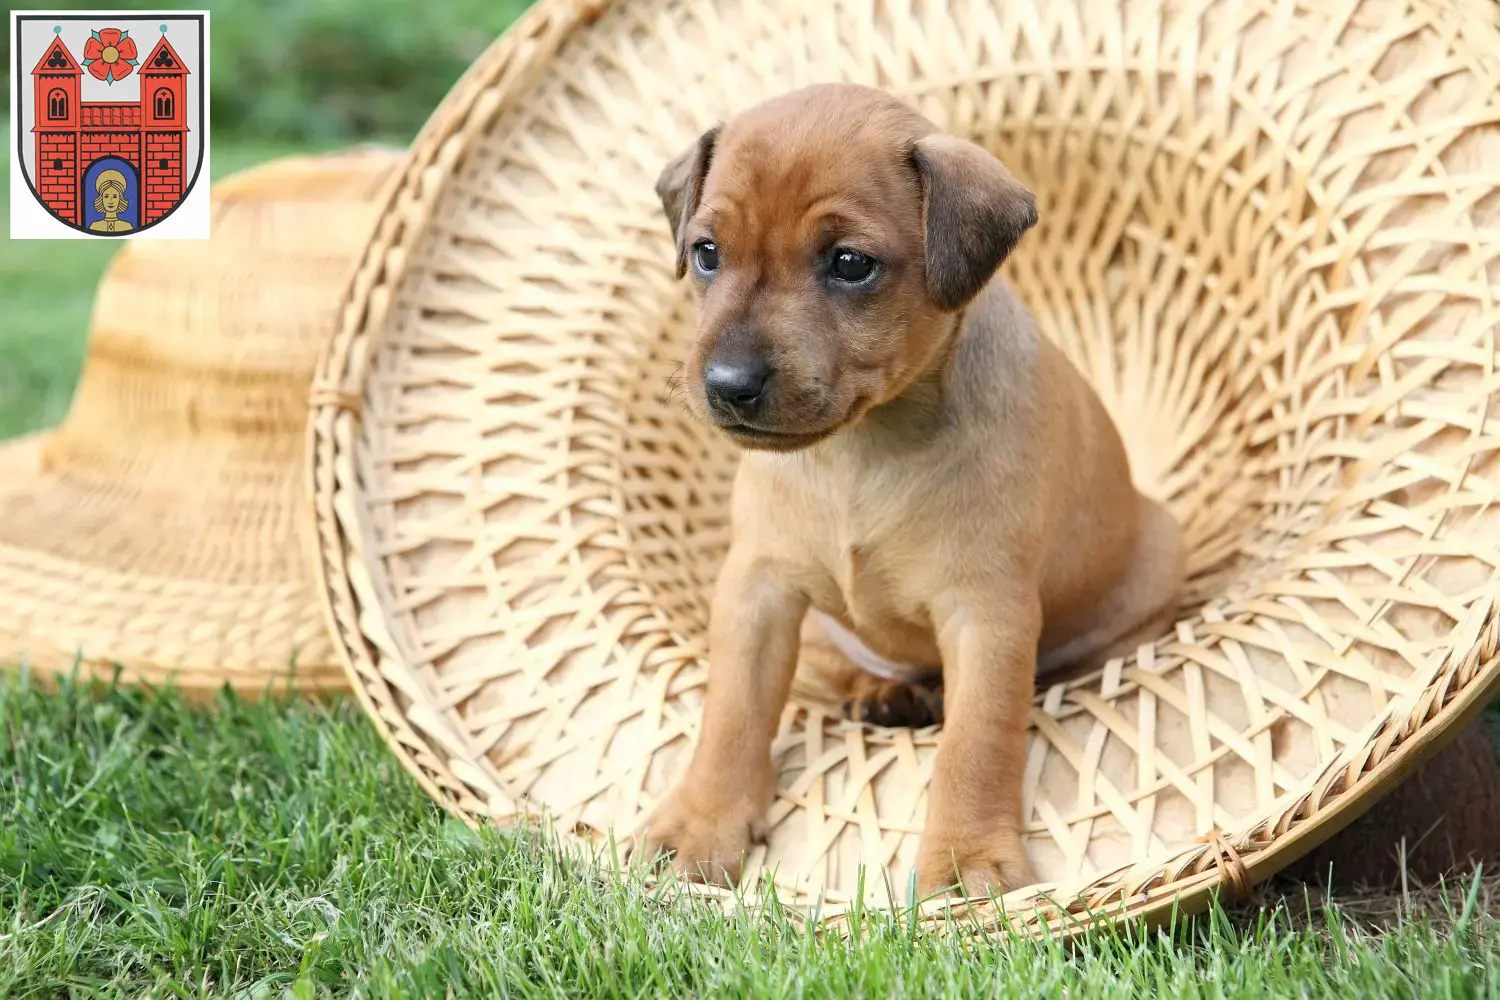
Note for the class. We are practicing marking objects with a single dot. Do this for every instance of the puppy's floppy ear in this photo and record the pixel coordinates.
(974, 212)
(680, 185)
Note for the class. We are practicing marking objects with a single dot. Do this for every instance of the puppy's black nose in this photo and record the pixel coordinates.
(736, 387)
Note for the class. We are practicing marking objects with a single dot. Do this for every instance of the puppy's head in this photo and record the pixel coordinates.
(830, 235)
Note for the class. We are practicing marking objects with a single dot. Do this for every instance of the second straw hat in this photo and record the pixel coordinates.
(160, 527)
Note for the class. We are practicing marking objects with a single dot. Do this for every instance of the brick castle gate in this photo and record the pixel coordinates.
(150, 133)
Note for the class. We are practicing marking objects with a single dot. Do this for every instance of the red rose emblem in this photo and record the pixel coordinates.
(110, 55)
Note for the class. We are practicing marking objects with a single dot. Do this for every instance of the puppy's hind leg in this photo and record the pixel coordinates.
(898, 704)
(1140, 608)
(826, 675)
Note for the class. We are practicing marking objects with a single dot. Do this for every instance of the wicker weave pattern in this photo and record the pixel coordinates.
(162, 526)
(1267, 236)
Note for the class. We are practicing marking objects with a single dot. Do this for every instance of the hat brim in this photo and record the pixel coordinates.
(59, 610)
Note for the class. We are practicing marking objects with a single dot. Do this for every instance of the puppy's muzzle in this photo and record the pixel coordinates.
(735, 389)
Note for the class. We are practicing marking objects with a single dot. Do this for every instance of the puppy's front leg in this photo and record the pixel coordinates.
(710, 820)
(972, 834)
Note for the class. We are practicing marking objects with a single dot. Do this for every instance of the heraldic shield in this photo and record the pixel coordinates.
(110, 116)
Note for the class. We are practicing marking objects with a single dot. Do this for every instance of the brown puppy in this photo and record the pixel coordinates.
(921, 467)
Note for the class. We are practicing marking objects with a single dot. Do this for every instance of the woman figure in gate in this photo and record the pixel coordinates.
(109, 199)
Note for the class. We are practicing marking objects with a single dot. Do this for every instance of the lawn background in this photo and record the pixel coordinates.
(152, 847)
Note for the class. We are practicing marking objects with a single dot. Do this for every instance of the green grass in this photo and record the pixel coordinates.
(149, 847)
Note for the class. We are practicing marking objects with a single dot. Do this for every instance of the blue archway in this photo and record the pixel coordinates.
(132, 213)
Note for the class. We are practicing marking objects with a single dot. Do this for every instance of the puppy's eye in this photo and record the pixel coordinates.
(706, 256)
(852, 266)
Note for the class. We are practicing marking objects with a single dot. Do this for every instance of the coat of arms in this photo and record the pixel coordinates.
(110, 124)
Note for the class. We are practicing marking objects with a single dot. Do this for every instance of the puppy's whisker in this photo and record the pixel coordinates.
(675, 388)
(692, 414)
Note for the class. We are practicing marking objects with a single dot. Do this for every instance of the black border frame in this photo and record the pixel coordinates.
(20, 118)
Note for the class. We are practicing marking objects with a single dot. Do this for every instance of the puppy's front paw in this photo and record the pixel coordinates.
(975, 870)
(705, 840)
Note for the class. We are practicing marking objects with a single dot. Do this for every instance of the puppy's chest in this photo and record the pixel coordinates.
(865, 563)
(873, 591)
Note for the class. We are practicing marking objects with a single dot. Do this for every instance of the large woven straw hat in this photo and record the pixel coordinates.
(1269, 238)
(162, 526)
